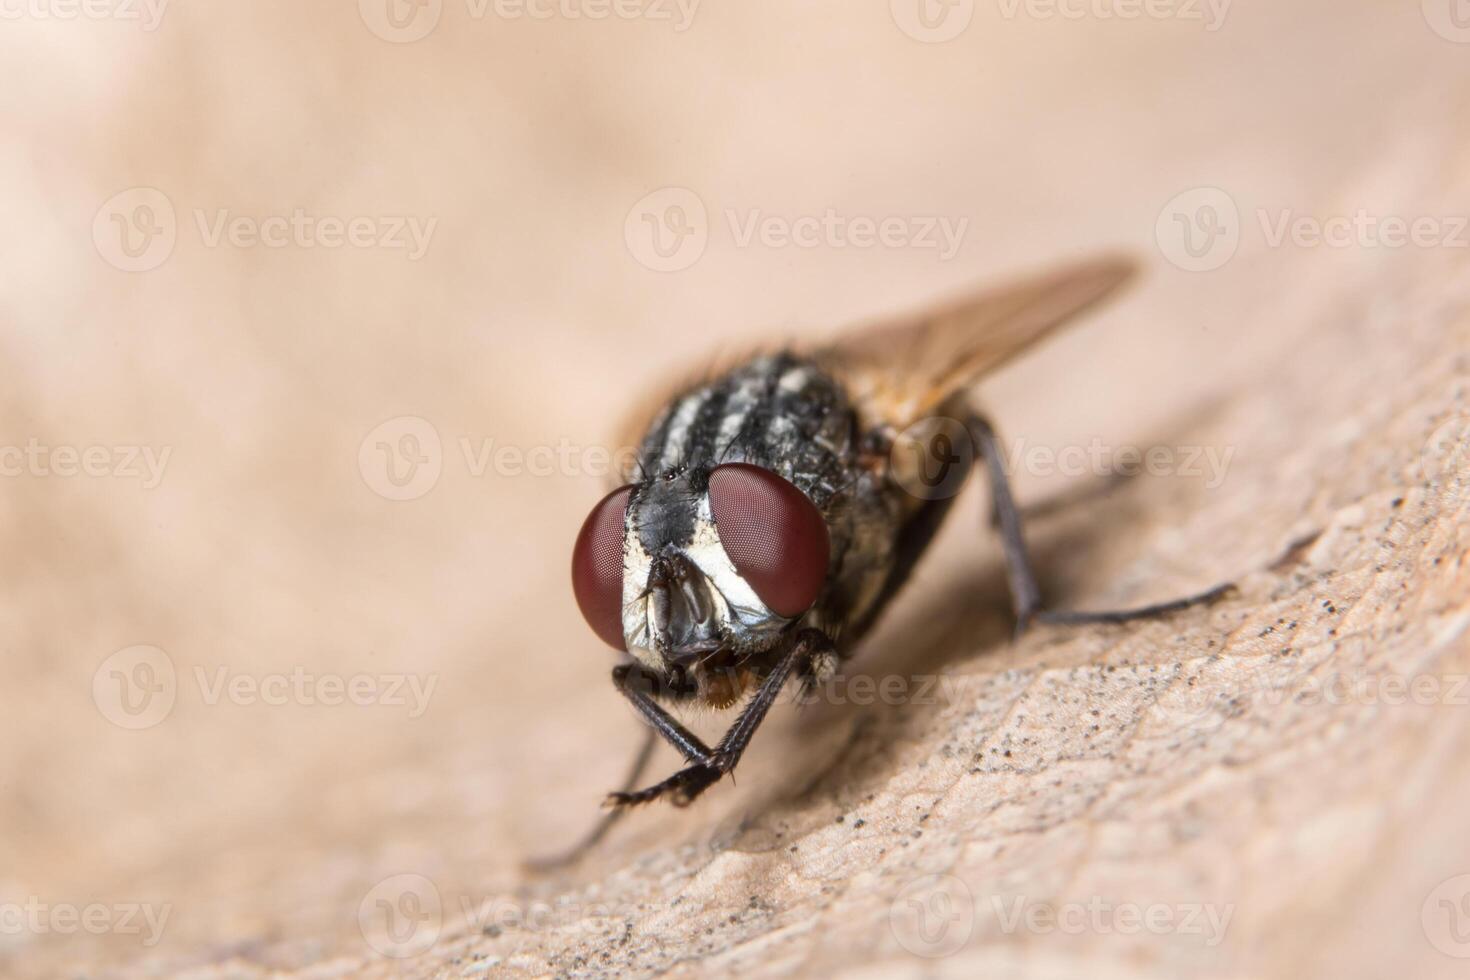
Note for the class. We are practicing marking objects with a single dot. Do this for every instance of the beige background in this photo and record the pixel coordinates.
(1170, 764)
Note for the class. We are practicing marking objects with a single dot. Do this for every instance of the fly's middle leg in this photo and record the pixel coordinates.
(1026, 597)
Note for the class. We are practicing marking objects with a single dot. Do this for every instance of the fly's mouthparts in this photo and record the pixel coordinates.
(682, 614)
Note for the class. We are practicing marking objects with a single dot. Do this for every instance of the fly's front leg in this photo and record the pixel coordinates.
(640, 688)
(684, 786)
(1025, 594)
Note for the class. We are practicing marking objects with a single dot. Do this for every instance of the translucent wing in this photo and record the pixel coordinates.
(902, 370)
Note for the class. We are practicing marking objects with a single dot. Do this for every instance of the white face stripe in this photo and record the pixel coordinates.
(734, 600)
(709, 556)
(637, 631)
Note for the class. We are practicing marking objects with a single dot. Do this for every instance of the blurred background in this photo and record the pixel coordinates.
(316, 320)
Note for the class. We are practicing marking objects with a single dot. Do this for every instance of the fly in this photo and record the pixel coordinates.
(776, 508)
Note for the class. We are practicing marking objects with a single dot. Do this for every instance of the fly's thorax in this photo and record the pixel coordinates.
(778, 411)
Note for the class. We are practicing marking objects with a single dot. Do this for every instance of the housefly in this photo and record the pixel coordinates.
(774, 508)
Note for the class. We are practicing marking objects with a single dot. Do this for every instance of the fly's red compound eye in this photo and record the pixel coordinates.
(775, 536)
(597, 567)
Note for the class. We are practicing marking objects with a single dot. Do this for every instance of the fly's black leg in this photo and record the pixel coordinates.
(599, 830)
(1025, 594)
(640, 688)
(684, 786)
(1067, 617)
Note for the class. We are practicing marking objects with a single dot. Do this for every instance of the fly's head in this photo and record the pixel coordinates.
(700, 567)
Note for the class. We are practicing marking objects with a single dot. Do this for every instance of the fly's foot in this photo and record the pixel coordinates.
(680, 789)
